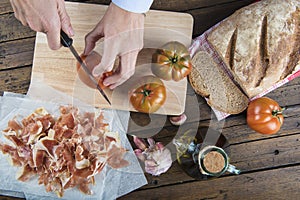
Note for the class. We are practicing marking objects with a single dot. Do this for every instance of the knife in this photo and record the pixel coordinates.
(66, 41)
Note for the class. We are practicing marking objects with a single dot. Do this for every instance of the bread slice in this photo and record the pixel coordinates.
(211, 82)
(260, 43)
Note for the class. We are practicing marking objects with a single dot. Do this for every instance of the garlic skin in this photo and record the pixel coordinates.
(156, 158)
(178, 120)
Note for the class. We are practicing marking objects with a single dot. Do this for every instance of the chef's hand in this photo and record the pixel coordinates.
(123, 33)
(47, 16)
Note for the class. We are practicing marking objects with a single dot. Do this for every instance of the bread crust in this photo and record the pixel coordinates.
(260, 43)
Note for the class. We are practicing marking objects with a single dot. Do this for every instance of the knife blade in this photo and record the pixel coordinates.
(66, 41)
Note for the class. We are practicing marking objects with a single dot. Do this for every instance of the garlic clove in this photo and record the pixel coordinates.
(178, 120)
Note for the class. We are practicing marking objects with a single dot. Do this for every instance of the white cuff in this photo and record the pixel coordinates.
(136, 6)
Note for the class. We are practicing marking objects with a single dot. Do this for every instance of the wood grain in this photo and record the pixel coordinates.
(276, 152)
(5, 7)
(16, 57)
(11, 29)
(235, 127)
(270, 163)
(173, 5)
(15, 80)
(54, 65)
(242, 133)
(272, 153)
(209, 16)
(282, 183)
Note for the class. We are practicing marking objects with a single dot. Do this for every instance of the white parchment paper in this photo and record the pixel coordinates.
(110, 183)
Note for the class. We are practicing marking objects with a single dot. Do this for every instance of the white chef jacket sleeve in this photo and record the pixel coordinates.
(136, 6)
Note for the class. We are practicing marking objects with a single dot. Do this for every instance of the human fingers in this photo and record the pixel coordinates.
(18, 12)
(52, 31)
(126, 70)
(92, 37)
(110, 52)
(65, 19)
(60, 20)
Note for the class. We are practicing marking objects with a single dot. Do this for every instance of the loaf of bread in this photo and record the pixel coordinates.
(260, 43)
(259, 46)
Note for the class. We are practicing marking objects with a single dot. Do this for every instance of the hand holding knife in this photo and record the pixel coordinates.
(66, 41)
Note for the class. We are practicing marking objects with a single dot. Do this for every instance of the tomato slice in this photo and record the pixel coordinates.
(92, 60)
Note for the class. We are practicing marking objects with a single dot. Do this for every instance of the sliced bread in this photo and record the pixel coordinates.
(213, 83)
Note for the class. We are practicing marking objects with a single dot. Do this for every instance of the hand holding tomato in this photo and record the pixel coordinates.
(264, 115)
(92, 60)
(122, 32)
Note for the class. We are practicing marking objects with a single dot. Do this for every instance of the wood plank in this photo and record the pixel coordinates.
(206, 18)
(189, 5)
(9, 198)
(142, 123)
(242, 133)
(5, 7)
(266, 154)
(16, 57)
(200, 10)
(235, 129)
(277, 155)
(206, 13)
(282, 183)
(249, 154)
(173, 5)
(288, 94)
(12, 29)
(15, 80)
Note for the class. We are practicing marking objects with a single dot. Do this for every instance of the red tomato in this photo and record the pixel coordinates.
(264, 115)
(149, 95)
(171, 62)
(105, 75)
(91, 61)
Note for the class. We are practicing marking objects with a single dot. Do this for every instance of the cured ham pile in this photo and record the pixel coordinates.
(63, 152)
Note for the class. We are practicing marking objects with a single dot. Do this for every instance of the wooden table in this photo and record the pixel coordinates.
(270, 164)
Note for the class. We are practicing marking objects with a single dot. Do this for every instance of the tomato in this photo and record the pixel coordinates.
(149, 95)
(264, 115)
(171, 62)
(105, 75)
(91, 61)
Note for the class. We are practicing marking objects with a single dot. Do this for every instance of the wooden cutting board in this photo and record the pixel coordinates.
(58, 68)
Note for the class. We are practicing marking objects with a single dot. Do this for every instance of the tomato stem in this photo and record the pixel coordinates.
(278, 112)
(174, 59)
(146, 92)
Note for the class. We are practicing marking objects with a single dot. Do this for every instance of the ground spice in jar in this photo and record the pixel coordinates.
(214, 162)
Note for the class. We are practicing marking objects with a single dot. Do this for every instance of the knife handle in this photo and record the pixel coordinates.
(65, 40)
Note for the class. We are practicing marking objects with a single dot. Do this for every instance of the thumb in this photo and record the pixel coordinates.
(65, 19)
(92, 37)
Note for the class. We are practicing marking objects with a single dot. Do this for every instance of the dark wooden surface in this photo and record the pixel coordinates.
(270, 164)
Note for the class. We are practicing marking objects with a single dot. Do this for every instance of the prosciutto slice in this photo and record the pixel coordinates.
(64, 152)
